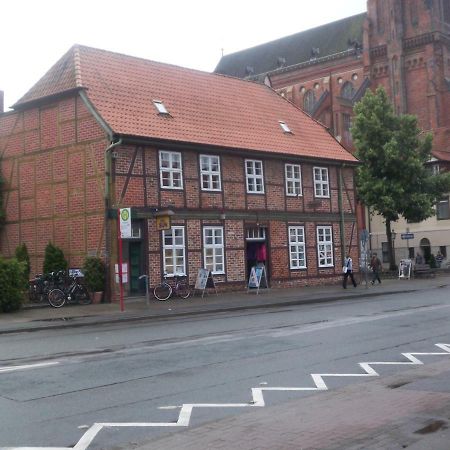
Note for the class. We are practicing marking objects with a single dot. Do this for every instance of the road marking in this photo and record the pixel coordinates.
(27, 366)
(184, 417)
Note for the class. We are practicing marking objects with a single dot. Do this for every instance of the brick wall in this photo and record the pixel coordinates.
(53, 165)
(235, 210)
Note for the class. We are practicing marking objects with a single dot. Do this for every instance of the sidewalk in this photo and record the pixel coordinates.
(39, 317)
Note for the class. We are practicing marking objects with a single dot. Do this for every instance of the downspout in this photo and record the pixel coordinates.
(107, 199)
(341, 213)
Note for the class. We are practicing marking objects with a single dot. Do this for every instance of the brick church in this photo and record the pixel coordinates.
(402, 45)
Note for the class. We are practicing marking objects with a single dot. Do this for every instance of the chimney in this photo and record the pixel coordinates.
(2, 102)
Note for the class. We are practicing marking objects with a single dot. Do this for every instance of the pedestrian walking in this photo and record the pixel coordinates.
(348, 271)
(375, 263)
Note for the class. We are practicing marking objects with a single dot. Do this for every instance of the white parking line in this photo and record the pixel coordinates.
(27, 366)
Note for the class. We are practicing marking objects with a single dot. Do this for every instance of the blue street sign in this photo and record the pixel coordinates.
(407, 236)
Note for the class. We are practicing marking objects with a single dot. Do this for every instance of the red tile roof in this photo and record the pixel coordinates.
(204, 108)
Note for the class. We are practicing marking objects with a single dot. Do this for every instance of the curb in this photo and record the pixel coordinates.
(28, 327)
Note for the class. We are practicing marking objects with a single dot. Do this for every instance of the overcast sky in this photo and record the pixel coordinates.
(34, 34)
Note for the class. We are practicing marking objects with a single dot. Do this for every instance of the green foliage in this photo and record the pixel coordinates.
(94, 270)
(23, 256)
(54, 259)
(393, 179)
(12, 284)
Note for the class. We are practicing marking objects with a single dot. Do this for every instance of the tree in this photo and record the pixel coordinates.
(393, 179)
(54, 260)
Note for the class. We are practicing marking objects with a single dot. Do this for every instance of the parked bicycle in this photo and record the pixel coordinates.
(75, 292)
(42, 284)
(180, 288)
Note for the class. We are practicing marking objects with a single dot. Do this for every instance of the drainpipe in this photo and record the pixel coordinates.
(341, 212)
(107, 199)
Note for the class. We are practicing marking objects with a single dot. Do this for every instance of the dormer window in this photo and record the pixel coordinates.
(284, 127)
(161, 108)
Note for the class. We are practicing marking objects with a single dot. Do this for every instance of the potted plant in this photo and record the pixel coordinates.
(94, 276)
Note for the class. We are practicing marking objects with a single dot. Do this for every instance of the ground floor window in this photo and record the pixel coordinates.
(174, 251)
(385, 251)
(213, 249)
(297, 254)
(325, 246)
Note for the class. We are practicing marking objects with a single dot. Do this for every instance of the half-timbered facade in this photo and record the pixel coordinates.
(244, 175)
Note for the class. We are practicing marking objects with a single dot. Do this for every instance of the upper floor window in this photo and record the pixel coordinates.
(443, 209)
(325, 246)
(347, 90)
(293, 176)
(297, 248)
(210, 173)
(321, 182)
(174, 251)
(309, 100)
(213, 249)
(170, 170)
(254, 176)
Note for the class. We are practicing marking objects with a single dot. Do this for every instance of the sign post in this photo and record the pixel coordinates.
(124, 232)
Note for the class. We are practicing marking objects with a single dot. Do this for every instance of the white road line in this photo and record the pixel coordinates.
(27, 366)
(184, 417)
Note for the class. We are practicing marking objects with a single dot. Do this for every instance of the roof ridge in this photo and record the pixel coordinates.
(77, 65)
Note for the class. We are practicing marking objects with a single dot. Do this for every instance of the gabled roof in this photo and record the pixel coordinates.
(204, 108)
(330, 39)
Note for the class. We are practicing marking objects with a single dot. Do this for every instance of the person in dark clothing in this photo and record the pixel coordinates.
(348, 272)
(375, 263)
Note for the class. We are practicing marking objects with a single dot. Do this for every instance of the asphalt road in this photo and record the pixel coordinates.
(140, 373)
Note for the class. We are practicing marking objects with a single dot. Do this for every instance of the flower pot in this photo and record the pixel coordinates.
(97, 297)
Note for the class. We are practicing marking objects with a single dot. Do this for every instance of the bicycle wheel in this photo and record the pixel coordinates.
(163, 291)
(56, 298)
(183, 290)
(82, 295)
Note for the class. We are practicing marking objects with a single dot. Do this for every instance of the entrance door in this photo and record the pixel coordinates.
(135, 266)
(256, 249)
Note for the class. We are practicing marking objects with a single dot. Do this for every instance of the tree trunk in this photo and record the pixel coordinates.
(391, 253)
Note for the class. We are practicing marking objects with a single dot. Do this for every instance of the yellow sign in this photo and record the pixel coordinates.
(163, 223)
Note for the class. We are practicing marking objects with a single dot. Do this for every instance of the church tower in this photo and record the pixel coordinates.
(406, 50)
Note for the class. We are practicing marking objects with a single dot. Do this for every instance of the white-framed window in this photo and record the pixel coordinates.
(210, 173)
(443, 209)
(170, 170)
(254, 176)
(293, 175)
(297, 249)
(321, 182)
(174, 251)
(325, 246)
(213, 249)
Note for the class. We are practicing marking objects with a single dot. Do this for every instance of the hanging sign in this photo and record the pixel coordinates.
(163, 223)
(125, 222)
(204, 280)
(257, 278)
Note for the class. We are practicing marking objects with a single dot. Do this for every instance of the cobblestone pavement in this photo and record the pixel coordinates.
(409, 410)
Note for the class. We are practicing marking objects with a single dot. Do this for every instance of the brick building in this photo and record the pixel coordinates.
(401, 45)
(246, 175)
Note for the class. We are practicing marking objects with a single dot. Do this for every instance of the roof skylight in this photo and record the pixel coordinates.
(159, 105)
(284, 127)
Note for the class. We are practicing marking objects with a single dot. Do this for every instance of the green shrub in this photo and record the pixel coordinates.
(432, 262)
(94, 271)
(23, 256)
(12, 284)
(54, 259)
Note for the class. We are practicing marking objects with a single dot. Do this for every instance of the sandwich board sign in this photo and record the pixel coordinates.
(204, 280)
(257, 278)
